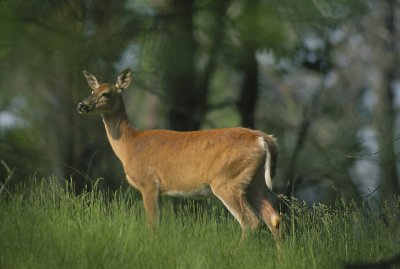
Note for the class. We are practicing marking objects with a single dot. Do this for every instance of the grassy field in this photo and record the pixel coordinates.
(49, 227)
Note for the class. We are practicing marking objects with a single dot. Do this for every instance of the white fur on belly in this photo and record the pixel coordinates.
(202, 191)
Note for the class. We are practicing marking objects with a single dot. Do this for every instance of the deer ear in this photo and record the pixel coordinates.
(91, 80)
(124, 79)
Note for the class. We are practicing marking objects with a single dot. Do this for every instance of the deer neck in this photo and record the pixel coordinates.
(118, 130)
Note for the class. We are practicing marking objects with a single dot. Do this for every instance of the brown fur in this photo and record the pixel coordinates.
(158, 162)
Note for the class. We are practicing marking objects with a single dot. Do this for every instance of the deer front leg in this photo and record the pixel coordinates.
(150, 197)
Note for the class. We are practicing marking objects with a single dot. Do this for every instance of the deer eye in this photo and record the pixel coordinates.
(106, 94)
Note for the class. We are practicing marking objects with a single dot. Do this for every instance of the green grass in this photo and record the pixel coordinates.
(50, 227)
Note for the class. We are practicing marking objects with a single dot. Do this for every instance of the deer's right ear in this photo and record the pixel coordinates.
(91, 80)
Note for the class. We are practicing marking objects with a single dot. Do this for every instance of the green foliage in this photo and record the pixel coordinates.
(28, 161)
(48, 226)
(261, 23)
(196, 57)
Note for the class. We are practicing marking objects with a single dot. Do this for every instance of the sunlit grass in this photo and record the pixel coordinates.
(50, 227)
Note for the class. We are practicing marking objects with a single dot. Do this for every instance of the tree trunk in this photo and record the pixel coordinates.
(384, 110)
(178, 60)
(249, 92)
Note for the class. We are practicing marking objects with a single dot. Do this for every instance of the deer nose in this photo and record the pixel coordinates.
(82, 108)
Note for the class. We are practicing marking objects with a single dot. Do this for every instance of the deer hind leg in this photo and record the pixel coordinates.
(257, 195)
(234, 199)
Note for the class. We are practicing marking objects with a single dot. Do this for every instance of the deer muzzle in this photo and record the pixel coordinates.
(83, 108)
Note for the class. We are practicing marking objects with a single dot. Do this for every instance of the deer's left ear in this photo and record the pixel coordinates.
(124, 79)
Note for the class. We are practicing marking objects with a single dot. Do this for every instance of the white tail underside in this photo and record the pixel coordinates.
(268, 179)
(267, 166)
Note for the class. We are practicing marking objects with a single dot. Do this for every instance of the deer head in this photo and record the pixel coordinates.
(105, 97)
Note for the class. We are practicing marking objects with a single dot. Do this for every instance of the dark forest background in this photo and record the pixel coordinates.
(322, 76)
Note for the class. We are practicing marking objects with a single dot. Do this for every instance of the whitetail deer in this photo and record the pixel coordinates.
(224, 162)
